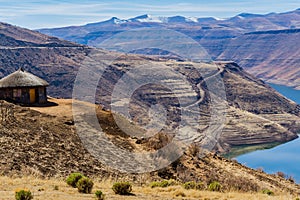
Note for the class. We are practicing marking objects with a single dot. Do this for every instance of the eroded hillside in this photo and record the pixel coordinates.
(42, 142)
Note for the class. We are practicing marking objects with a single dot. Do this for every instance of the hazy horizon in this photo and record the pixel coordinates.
(53, 13)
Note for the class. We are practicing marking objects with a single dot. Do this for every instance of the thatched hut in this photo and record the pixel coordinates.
(23, 87)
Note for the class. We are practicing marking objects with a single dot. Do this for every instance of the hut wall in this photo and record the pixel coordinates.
(6, 94)
(22, 95)
(42, 95)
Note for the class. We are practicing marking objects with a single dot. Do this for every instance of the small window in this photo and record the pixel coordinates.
(17, 93)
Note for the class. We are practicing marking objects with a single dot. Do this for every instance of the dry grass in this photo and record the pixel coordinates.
(45, 189)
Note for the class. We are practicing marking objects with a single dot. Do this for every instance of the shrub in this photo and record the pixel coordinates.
(23, 195)
(280, 174)
(291, 179)
(85, 185)
(189, 185)
(215, 186)
(122, 188)
(193, 185)
(238, 184)
(164, 183)
(73, 179)
(55, 187)
(267, 191)
(154, 184)
(99, 195)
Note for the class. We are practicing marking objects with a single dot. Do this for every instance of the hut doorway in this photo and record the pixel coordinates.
(32, 95)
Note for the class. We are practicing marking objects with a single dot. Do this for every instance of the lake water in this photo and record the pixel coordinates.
(288, 92)
(285, 157)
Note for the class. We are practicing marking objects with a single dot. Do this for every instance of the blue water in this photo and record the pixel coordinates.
(285, 157)
(288, 92)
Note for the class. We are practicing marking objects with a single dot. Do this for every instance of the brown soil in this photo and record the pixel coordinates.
(41, 141)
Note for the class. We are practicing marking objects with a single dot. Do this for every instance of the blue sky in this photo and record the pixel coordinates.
(55, 13)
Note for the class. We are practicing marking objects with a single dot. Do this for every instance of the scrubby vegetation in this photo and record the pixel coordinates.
(267, 191)
(99, 195)
(79, 181)
(193, 185)
(23, 194)
(66, 192)
(164, 183)
(85, 185)
(122, 188)
(215, 186)
(73, 179)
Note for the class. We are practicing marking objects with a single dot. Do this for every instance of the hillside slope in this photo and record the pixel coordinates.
(44, 145)
(271, 55)
(53, 59)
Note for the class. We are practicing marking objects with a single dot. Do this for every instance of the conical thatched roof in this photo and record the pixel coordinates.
(22, 78)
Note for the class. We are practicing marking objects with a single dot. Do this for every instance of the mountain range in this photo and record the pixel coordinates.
(272, 40)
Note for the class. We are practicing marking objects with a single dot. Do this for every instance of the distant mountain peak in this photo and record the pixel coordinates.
(249, 15)
(116, 20)
(145, 16)
(148, 18)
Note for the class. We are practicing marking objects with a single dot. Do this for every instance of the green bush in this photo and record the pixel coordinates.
(189, 185)
(164, 183)
(267, 191)
(122, 188)
(73, 179)
(215, 186)
(23, 195)
(85, 185)
(99, 195)
(193, 185)
(154, 184)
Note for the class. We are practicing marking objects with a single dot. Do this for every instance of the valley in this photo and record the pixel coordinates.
(163, 103)
(251, 40)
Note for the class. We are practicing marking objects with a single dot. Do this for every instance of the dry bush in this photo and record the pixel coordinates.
(280, 174)
(232, 183)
